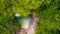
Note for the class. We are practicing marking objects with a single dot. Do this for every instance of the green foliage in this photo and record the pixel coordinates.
(3, 30)
(7, 24)
(25, 6)
(49, 20)
(47, 10)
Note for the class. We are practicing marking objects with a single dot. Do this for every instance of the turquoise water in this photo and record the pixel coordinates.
(31, 20)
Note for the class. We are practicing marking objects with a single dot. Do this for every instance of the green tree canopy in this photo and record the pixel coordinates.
(47, 10)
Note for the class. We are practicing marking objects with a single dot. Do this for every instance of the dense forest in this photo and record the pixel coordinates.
(47, 10)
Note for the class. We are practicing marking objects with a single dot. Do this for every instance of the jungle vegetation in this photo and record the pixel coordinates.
(47, 10)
